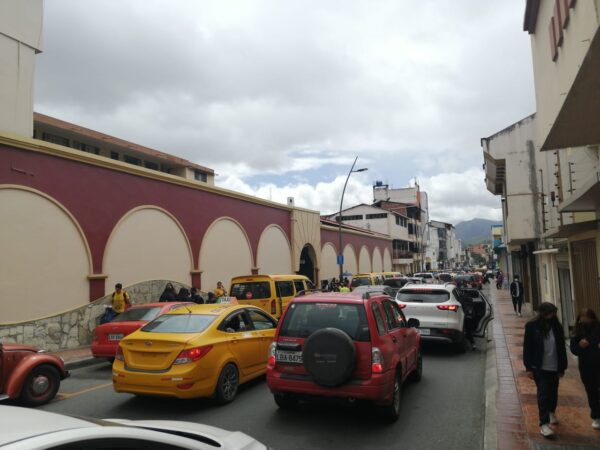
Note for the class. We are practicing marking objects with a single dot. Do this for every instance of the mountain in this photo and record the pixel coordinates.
(475, 231)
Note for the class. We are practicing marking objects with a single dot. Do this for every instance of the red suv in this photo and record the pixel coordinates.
(346, 346)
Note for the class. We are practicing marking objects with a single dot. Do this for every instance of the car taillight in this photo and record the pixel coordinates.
(376, 360)
(192, 354)
(273, 307)
(448, 307)
(271, 360)
(119, 354)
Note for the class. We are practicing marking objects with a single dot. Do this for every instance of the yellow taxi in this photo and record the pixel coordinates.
(195, 351)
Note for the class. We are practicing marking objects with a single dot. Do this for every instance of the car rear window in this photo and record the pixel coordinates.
(363, 281)
(422, 296)
(251, 290)
(179, 323)
(303, 319)
(445, 277)
(395, 283)
(134, 314)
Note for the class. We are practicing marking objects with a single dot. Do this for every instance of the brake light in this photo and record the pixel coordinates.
(271, 360)
(119, 354)
(448, 307)
(273, 308)
(192, 354)
(376, 360)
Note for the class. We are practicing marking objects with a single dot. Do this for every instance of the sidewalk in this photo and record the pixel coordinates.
(516, 412)
(77, 357)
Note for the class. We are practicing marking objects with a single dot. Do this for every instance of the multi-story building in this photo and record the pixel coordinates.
(443, 249)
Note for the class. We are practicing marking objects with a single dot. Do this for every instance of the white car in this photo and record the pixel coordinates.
(31, 429)
(440, 309)
(428, 278)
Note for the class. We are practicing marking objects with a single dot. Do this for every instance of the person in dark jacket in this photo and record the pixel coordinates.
(169, 294)
(195, 297)
(545, 359)
(516, 292)
(585, 344)
(183, 295)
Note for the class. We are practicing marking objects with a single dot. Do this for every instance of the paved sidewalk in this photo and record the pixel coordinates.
(516, 405)
(77, 357)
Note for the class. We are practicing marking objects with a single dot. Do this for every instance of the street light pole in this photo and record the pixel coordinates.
(340, 250)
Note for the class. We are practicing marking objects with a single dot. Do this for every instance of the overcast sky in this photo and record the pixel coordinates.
(279, 96)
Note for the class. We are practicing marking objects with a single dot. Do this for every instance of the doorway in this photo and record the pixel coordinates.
(307, 263)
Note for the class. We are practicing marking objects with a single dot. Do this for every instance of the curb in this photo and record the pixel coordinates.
(490, 433)
(84, 362)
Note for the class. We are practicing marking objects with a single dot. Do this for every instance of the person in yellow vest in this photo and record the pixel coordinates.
(120, 298)
(220, 290)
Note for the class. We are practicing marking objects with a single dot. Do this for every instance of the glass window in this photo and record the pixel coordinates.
(378, 318)
(260, 320)
(114, 155)
(141, 313)
(200, 176)
(303, 319)
(236, 323)
(151, 165)
(284, 288)
(422, 296)
(132, 160)
(390, 318)
(299, 285)
(179, 323)
(400, 317)
(252, 290)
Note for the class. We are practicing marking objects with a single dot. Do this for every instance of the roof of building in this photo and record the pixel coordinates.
(373, 206)
(101, 137)
(334, 223)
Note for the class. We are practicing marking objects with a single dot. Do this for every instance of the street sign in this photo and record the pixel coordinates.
(340, 259)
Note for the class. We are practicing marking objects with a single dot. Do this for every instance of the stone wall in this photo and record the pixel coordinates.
(75, 328)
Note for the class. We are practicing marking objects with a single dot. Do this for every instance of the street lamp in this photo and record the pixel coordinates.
(340, 257)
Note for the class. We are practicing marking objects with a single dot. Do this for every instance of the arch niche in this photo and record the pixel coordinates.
(329, 267)
(350, 263)
(274, 255)
(364, 260)
(378, 261)
(387, 260)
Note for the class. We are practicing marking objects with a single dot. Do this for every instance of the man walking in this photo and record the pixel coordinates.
(516, 292)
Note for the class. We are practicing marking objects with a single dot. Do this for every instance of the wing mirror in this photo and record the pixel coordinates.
(413, 323)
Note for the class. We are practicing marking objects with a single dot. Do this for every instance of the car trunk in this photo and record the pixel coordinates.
(154, 352)
(110, 333)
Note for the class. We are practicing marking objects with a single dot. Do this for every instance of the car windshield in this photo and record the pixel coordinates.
(251, 290)
(179, 323)
(141, 313)
(422, 296)
(395, 282)
(303, 319)
(362, 281)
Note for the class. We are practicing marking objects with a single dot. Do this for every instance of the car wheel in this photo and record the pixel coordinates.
(285, 401)
(228, 384)
(391, 412)
(417, 374)
(41, 385)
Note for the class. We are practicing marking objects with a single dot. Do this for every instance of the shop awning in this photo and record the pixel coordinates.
(585, 198)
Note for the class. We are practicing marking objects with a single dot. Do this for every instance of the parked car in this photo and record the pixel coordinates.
(467, 281)
(29, 375)
(196, 351)
(396, 283)
(445, 277)
(27, 429)
(108, 335)
(348, 346)
(427, 277)
(440, 311)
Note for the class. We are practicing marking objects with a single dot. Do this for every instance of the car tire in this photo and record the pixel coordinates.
(390, 413)
(41, 385)
(329, 356)
(285, 401)
(417, 374)
(227, 385)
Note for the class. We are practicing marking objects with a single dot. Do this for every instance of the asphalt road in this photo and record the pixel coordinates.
(443, 411)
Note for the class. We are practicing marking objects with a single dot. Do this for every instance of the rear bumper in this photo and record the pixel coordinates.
(104, 350)
(448, 335)
(378, 388)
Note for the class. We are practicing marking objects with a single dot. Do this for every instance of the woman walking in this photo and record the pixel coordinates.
(545, 359)
(585, 344)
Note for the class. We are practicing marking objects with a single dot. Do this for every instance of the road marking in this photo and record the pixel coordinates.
(68, 395)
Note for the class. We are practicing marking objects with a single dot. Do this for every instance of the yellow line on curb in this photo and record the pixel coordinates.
(68, 395)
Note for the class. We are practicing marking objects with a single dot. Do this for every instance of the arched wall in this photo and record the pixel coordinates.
(329, 267)
(364, 260)
(147, 244)
(274, 253)
(49, 273)
(350, 262)
(387, 260)
(225, 253)
(378, 261)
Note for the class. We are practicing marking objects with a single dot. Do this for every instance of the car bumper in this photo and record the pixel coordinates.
(448, 335)
(378, 388)
(104, 350)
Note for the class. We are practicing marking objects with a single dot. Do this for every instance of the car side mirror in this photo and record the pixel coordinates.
(413, 323)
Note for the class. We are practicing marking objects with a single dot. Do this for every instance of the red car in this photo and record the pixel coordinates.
(346, 346)
(108, 335)
(29, 375)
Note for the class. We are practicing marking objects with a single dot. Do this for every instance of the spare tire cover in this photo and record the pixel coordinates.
(329, 356)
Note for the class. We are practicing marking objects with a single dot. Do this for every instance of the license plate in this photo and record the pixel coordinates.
(115, 337)
(425, 331)
(288, 357)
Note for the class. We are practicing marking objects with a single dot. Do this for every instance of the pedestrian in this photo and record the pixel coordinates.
(469, 321)
(183, 295)
(119, 299)
(499, 280)
(585, 344)
(195, 297)
(220, 290)
(516, 292)
(545, 360)
(169, 294)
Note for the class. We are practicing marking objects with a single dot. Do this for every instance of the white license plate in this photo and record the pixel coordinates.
(288, 357)
(425, 331)
(115, 337)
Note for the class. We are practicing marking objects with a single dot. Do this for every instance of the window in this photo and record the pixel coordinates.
(141, 313)
(354, 217)
(260, 320)
(390, 318)
(400, 317)
(200, 176)
(55, 139)
(150, 165)
(377, 216)
(422, 296)
(236, 323)
(114, 155)
(132, 160)
(86, 147)
(401, 221)
(378, 319)
(179, 323)
(299, 285)
(284, 288)
(254, 290)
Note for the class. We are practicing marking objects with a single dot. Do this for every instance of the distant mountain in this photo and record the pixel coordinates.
(475, 231)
